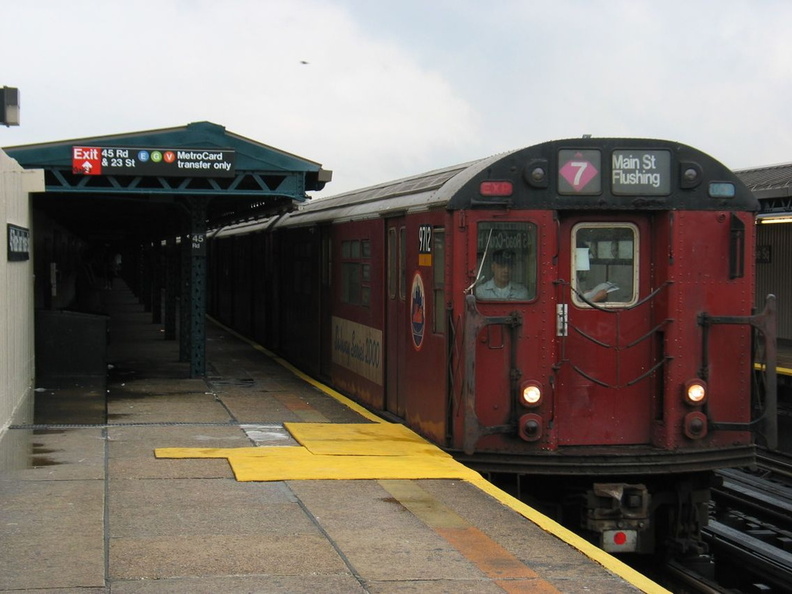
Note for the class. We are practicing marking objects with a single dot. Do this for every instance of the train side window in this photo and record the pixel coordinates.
(506, 259)
(356, 272)
(438, 276)
(604, 263)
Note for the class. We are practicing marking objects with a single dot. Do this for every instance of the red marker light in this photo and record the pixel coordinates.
(620, 541)
(496, 188)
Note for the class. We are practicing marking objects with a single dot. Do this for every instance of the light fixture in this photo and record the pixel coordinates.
(722, 190)
(9, 106)
(531, 394)
(770, 219)
(695, 392)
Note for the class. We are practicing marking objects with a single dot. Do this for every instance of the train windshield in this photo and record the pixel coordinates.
(604, 263)
(506, 258)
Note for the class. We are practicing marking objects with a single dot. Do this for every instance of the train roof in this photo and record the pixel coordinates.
(458, 186)
(409, 194)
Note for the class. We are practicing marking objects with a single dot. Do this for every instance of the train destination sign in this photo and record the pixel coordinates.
(641, 173)
(197, 162)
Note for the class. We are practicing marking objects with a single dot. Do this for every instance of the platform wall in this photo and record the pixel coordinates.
(17, 365)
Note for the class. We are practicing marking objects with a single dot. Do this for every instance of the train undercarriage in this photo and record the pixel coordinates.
(646, 508)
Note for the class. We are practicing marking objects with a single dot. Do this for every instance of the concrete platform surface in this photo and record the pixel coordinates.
(87, 507)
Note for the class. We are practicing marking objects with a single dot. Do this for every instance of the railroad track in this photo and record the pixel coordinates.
(750, 528)
(777, 463)
(749, 534)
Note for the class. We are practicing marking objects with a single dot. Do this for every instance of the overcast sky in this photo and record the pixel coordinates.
(377, 90)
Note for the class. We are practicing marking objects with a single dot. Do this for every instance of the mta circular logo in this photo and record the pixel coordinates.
(417, 311)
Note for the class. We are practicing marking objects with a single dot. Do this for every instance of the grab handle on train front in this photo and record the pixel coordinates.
(765, 322)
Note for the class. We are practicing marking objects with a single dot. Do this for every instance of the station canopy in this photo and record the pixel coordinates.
(142, 185)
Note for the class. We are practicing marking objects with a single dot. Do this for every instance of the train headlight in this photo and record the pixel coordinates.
(530, 427)
(695, 425)
(531, 394)
(696, 392)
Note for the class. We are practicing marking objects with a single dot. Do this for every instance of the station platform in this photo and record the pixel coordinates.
(256, 479)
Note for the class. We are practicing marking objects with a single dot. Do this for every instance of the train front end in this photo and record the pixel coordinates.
(606, 331)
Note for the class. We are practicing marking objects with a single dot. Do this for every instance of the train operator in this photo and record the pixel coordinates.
(500, 286)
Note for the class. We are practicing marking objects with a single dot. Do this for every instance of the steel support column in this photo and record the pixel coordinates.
(185, 293)
(171, 287)
(156, 282)
(145, 276)
(197, 241)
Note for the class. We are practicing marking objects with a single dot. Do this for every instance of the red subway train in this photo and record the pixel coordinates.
(577, 315)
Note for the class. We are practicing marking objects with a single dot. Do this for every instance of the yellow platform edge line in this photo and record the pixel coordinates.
(351, 404)
(593, 552)
(605, 559)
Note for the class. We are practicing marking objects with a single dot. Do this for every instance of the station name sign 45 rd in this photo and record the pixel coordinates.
(110, 160)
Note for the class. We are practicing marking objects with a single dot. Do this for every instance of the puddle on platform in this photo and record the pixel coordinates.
(81, 401)
(42, 461)
(38, 450)
(75, 401)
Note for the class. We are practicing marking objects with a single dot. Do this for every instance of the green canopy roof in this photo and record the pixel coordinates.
(239, 179)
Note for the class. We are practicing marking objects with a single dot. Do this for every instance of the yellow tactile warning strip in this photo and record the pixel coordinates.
(494, 561)
(366, 451)
(362, 439)
(337, 451)
(297, 463)
(552, 527)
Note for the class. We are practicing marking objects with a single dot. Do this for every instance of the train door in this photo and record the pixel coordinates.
(396, 316)
(502, 337)
(606, 385)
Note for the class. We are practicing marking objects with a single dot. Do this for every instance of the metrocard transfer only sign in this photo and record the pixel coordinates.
(198, 162)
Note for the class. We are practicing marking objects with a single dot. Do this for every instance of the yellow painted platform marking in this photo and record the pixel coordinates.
(338, 396)
(362, 439)
(337, 451)
(493, 560)
(298, 463)
(552, 527)
(779, 370)
(548, 525)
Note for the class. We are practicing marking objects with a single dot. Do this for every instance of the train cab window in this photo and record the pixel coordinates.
(604, 264)
(506, 258)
